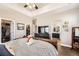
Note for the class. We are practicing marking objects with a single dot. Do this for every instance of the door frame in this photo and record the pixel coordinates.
(10, 28)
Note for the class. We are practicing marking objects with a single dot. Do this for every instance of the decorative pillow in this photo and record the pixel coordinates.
(30, 42)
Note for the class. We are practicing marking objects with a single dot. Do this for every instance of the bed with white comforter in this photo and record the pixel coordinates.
(19, 47)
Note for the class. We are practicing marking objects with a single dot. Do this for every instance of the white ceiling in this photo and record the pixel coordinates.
(43, 8)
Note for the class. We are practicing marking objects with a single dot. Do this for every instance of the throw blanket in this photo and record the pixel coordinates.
(37, 48)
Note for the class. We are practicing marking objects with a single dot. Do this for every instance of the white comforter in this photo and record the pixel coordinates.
(37, 48)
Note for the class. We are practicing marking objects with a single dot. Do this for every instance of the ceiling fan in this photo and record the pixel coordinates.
(33, 5)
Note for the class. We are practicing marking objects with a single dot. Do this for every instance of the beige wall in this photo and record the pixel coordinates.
(52, 20)
(15, 17)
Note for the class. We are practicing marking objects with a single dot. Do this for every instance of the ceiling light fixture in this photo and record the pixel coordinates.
(30, 6)
(33, 5)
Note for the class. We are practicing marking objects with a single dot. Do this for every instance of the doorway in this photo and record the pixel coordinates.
(5, 31)
(27, 30)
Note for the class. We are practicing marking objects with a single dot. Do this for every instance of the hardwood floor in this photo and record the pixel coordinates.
(65, 51)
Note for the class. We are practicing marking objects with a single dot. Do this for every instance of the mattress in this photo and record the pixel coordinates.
(37, 48)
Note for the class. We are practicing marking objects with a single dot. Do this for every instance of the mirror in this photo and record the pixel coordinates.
(76, 31)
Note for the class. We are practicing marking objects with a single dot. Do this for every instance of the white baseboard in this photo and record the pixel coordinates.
(66, 45)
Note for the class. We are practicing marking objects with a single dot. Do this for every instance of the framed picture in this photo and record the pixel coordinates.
(65, 26)
(56, 29)
(20, 26)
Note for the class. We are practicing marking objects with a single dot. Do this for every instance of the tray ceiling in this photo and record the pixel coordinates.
(42, 8)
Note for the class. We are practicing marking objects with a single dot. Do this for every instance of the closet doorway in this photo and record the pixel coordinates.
(6, 31)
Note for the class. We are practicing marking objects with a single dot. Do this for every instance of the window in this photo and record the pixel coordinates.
(43, 29)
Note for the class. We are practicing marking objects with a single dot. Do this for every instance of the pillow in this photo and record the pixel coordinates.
(30, 42)
(29, 37)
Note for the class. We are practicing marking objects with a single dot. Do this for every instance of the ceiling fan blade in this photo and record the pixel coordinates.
(25, 6)
(36, 7)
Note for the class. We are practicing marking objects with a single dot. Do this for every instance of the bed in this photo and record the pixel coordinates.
(20, 48)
